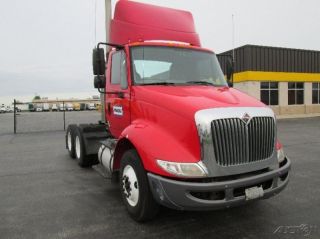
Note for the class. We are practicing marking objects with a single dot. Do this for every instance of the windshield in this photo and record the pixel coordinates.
(175, 66)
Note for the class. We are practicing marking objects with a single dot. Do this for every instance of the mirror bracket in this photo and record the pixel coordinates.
(230, 70)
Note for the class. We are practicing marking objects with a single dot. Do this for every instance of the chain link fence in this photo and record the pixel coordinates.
(41, 116)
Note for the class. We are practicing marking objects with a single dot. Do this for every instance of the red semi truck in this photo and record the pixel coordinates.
(175, 132)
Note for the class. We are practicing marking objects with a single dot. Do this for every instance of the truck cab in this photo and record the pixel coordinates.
(39, 107)
(69, 107)
(91, 106)
(62, 107)
(45, 107)
(175, 133)
(3, 109)
(54, 107)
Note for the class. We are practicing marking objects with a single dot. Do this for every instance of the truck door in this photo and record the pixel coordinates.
(118, 94)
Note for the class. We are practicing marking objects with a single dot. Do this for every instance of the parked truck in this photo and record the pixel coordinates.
(62, 107)
(175, 132)
(39, 107)
(31, 107)
(69, 107)
(3, 109)
(46, 107)
(82, 106)
(54, 107)
(76, 106)
(91, 106)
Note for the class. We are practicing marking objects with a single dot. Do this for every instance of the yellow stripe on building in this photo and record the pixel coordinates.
(276, 76)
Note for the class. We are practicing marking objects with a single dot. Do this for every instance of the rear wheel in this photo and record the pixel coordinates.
(135, 189)
(70, 140)
(84, 160)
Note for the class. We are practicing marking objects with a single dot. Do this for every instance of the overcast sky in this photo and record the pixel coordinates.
(46, 44)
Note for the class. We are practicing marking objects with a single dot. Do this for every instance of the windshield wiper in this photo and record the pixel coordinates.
(159, 83)
(200, 83)
(185, 83)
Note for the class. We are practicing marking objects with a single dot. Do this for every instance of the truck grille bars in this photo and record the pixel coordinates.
(236, 142)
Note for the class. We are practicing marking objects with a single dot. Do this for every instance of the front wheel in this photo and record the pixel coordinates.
(135, 189)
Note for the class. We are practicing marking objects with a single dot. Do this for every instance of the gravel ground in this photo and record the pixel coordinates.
(44, 194)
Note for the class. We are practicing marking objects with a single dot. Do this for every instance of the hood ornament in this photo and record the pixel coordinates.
(246, 118)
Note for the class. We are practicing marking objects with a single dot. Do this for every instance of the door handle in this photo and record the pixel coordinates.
(120, 94)
(109, 108)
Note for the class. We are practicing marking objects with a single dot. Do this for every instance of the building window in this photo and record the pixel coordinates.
(315, 93)
(269, 93)
(295, 93)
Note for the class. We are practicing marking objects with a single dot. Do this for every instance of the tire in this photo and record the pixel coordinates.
(70, 140)
(134, 187)
(83, 159)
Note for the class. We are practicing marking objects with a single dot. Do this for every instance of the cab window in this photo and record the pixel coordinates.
(119, 70)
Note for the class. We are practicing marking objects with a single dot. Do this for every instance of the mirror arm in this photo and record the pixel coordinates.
(229, 68)
(101, 91)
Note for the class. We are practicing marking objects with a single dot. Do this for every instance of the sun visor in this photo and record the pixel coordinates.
(134, 22)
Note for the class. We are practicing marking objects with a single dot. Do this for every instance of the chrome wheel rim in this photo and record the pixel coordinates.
(130, 185)
(78, 152)
(69, 141)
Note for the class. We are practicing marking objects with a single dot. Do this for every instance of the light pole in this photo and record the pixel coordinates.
(108, 12)
(233, 36)
(108, 18)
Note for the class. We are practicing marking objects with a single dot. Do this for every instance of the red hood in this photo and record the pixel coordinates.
(187, 100)
(166, 114)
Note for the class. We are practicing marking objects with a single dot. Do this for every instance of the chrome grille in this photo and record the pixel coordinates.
(236, 142)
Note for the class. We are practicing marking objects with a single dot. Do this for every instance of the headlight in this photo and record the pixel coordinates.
(195, 170)
(281, 155)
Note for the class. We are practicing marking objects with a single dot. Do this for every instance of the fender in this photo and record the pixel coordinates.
(153, 142)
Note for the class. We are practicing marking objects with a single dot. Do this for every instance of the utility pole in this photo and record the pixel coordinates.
(233, 45)
(233, 36)
(108, 18)
(108, 12)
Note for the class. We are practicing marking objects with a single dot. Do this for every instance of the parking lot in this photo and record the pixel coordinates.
(44, 194)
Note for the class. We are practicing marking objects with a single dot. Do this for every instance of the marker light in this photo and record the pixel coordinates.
(280, 153)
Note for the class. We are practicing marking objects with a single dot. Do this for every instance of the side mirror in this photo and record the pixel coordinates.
(99, 82)
(98, 61)
(230, 72)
